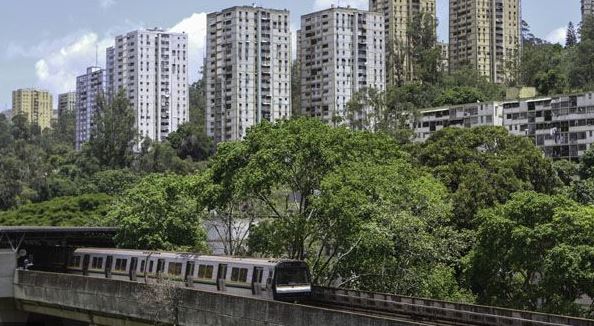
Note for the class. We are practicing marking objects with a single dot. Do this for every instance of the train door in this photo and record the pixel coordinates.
(160, 268)
(221, 276)
(133, 266)
(189, 274)
(108, 263)
(85, 265)
(257, 274)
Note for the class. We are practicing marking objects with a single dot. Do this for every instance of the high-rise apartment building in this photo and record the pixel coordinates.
(342, 52)
(248, 70)
(587, 8)
(88, 87)
(398, 15)
(36, 105)
(485, 35)
(151, 67)
(66, 103)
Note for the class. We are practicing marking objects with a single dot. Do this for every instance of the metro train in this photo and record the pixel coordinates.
(266, 278)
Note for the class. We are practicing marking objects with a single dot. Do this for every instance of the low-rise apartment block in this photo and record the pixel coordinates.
(563, 127)
(463, 116)
(341, 52)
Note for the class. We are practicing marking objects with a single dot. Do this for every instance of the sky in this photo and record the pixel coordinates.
(46, 44)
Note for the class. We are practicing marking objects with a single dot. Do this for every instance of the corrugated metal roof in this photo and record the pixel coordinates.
(55, 229)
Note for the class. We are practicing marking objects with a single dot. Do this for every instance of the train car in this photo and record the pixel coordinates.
(267, 278)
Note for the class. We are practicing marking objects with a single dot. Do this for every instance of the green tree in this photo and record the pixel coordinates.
(197, 94)
(586, 167)
(483, 166)
(571, 37)
(85, 210)
(296, 88)
(114, 136)
(535, 253)
(581, 74)
(190, 141)
(281, 166)
(159, 213)
(423, 52)
(566, 170)
(384, 227)
(459, 95)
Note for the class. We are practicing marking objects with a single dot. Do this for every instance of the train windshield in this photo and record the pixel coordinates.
(292, 276)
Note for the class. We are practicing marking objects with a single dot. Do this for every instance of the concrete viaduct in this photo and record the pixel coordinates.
(29, 296)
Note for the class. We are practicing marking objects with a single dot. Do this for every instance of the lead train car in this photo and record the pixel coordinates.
(276, 279)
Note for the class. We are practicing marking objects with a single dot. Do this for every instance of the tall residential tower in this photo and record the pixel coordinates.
(88, 87)
(341, 52)
(248, 70)
(151, 66)
(66, 103)
(36, 105)
(398, 15)
(587, 8)
(485, 35)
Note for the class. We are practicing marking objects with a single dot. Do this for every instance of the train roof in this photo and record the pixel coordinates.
(168, 254)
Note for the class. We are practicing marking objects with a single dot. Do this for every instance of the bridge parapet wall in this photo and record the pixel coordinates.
(149, 303)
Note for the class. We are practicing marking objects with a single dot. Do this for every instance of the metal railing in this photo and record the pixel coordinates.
(437, 310)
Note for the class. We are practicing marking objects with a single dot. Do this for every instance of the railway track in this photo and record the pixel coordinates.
(432, 312)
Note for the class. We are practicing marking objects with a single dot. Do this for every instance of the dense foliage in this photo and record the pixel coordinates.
(473, 215)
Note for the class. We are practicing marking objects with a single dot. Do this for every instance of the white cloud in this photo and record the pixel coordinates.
(325, 4)
(195, 27)
(106, 4)
(557, 36)
(60, 61)
(58, 67)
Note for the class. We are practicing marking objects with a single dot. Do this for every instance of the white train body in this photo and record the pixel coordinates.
(273, 279)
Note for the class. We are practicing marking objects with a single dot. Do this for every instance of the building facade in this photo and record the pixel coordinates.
(88, 88)
(151, 67)
(398, 14)
(485, 35)
(36, 105)
(587, 8)
(248, 70)
(563, 127)
(341, 52)
(66, 103)
(463, 116)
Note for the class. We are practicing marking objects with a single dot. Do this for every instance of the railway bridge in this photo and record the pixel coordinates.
(28, 296)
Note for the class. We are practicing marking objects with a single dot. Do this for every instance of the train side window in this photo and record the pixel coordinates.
(120, 264)
(205, 271)
(97, 263)
(174, 269)
(239, 274)
(75, 261)
(142, 262)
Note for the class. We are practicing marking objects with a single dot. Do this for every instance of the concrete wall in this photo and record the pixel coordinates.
(104, 302)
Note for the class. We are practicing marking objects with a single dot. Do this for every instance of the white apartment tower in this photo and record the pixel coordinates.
(248, 70)
(151, 66)
(341, 52)
(398, 15)
(485, 35)
(88, 87)
(587, 8)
